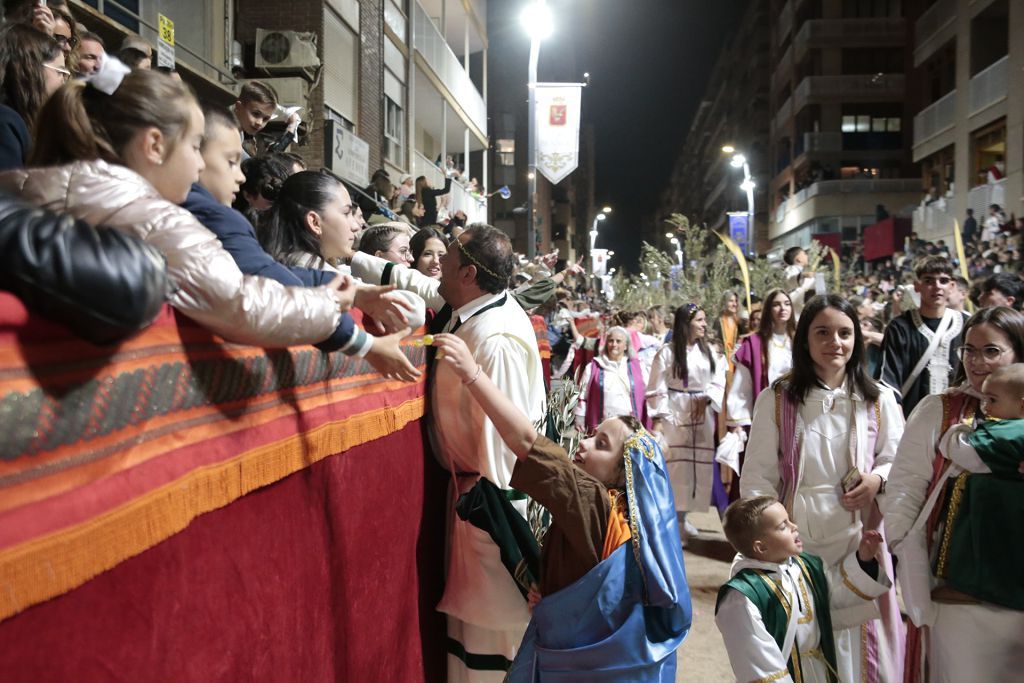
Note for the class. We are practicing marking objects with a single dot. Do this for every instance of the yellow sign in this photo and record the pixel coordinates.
(166, 29)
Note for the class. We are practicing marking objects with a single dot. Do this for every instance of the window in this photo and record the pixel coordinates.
(506, 150)
(394, 125)
(862, 123)
(341, 64)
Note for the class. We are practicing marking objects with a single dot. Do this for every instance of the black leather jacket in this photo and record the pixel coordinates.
(103, 284)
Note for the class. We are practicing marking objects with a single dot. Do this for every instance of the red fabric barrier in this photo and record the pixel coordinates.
(330, 574)
(884, 238)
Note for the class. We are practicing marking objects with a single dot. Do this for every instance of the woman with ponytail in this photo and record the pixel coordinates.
(123, 149)
(684, 394)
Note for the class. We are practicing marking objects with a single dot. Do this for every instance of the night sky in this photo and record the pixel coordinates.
(649, 62)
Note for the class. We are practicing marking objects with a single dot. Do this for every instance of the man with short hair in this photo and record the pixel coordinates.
(919, 351)
(487, 614)
(970, 230)
(91, 52)
(958, 293)
(1002, 289)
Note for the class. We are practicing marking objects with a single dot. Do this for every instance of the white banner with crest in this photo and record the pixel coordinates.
(558, 129)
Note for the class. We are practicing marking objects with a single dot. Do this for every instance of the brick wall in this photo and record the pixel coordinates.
(371, 79)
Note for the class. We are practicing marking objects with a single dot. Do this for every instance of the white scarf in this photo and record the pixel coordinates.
(938, 364)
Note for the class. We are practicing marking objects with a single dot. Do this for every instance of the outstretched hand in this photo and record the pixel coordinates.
(387, 358)
(344, 287)
(870, 542)
(391, 310)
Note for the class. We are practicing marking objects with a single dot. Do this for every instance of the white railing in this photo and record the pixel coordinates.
(935, 118)
(983, 196)
(989, 85)
(458, 199)
(935, 221)
(429, 42)
(858, 186)
(933, 20)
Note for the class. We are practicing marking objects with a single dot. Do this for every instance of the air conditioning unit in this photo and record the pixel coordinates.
(283, 51)
(290, 91)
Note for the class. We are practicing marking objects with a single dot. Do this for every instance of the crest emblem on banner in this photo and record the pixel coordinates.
(558, 113)
(557, 121)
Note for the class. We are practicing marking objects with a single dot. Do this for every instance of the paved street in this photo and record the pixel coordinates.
(702, 657)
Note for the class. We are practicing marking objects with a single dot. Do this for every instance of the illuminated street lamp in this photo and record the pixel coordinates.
(538, 23)
(738, 160)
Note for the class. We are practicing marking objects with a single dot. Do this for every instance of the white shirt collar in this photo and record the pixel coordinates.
(469, 309)
(741, 562)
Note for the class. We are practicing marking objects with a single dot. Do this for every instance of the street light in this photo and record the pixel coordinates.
(539, 24)
(738, 160)
(668, 235)
(593, 229)
(607, 209)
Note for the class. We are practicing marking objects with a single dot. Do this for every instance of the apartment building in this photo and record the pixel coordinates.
(840, 134)
(393, 84)
(969, 127)
(732, 113)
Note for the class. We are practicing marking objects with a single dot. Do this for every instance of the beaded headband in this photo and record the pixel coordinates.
(474, 260)
(691, 310)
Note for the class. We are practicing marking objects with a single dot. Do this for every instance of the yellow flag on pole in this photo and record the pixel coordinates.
(735, 250)
(958, 241)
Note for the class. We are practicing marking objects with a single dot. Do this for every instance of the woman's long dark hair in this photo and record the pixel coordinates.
(282, 228)
(767, 327)
(803, 378)
(681, 339)
(23, 51)
(419, 242)
(1009, 321)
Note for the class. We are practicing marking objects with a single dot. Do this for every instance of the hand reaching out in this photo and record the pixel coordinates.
(345, 291)
(385, 306)
(42, 19)
(387, 358)
(870, 542)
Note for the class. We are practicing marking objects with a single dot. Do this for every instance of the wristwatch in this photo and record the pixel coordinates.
(881, 489)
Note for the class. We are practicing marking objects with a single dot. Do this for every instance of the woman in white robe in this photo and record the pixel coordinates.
(835, 430)
(965, 640)
(682, 400)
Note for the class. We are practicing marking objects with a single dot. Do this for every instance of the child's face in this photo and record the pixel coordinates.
(1000, 401)
(222, 154)
(253, 116)
(780, 538)
(600, 456)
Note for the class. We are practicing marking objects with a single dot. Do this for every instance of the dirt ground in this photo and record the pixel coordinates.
(702, 656)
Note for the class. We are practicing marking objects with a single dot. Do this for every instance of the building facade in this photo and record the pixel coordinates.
(969, 125)
(732, 113)
(840, 132)
(393, 84)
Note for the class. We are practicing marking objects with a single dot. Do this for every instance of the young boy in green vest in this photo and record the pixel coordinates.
(775, 613)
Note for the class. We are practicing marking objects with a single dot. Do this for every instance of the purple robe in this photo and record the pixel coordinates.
(595, 394)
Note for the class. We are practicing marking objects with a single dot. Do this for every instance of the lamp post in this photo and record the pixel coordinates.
(536, 19)
(737, 161)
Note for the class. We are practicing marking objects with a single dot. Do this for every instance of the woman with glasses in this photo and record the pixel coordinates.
(31, 69)
(967, 638)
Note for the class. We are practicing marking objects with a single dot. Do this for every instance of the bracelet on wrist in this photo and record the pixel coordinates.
(475, 377)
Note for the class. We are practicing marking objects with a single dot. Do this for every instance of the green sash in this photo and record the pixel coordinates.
(760, 589)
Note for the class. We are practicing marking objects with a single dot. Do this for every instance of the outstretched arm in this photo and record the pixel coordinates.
(514, 426)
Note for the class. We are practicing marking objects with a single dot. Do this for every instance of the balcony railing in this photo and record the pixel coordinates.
(783, 114)
(934, 19)
(827, 141)
(935, 221)
(429, 42)
(783, 67)
(935, 118)
(858, 186)
(867, 88)
(459, 198)
(989, 85)
(983, 196)
(847, 32)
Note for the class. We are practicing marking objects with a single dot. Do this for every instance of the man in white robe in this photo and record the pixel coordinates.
(487, 615)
